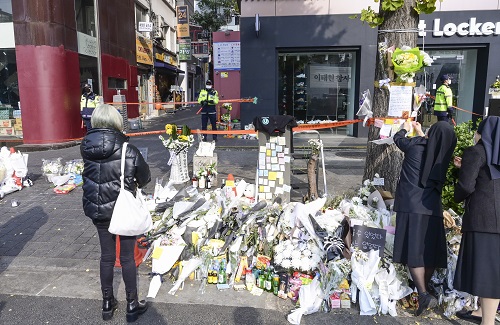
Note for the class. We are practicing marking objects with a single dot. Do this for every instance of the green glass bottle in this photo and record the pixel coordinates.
(276, 283)
(222, 273)
(269, 280)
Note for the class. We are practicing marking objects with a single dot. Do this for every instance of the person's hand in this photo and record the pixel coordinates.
(204, 103)
(407, 126)
(210, 102)
(418, 127)
(457, 161)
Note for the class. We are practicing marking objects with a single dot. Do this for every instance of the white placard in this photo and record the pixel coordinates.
(227, 56)
(145, 26)
(87, 44)
(400, 100)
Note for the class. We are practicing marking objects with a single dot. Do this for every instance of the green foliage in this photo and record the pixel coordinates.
(369, 16)
(425, 6)
(374, 19)
(392, 5)
(465, 136)
(213, 14)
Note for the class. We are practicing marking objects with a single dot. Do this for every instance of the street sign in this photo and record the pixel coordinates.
(145, 26)
(184, 49)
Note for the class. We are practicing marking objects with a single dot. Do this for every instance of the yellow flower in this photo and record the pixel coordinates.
(183, 137)
(168, 129)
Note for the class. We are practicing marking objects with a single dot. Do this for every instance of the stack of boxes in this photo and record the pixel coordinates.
(11, 127)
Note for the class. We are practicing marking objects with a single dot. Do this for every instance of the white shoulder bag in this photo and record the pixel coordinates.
(130, 214)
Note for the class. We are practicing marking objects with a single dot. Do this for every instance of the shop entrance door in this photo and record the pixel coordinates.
(461, 66)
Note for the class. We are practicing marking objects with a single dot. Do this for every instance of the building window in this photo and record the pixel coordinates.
(85, 17)
(9, 90)
(460, 64)
(141, 14)
(319, 85)
(5, 11)
(115, 83)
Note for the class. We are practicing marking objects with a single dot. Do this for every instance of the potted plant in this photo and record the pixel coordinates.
(494, 90)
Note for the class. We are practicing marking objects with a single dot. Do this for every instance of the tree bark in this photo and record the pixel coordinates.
(385, 159)
(312, 178)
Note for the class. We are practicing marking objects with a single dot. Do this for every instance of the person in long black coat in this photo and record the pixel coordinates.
(478, 265)
(420, 241)
(101, 150)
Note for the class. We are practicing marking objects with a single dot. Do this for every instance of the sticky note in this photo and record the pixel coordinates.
(272, 183)
(261, 188)
(274, 160)
(268, 152)
(281, 141)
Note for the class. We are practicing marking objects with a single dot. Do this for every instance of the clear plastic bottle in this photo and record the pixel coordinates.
(249, 279)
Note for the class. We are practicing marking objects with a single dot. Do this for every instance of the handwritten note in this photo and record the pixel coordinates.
(400, 101)
(367, 238)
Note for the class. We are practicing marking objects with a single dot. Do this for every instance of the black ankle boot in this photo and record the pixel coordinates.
(135, 307)
(109, 305)
(425, 301)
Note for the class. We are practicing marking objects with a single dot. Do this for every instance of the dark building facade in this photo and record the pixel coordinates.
(304, 62)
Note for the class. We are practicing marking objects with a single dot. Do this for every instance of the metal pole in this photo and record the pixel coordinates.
(98, 33)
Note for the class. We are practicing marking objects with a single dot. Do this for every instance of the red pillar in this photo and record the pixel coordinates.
(49, 89)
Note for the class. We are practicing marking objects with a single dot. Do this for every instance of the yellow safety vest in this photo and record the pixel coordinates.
(443, 99)
(87, 102)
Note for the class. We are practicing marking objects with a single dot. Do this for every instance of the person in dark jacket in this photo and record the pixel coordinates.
(478, 265)
(101, 151)
(420, 241)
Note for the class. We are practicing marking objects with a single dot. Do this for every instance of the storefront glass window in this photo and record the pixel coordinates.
(85, 17)
(9, 90)
(460, 65)
(5, 11)
(317, 86)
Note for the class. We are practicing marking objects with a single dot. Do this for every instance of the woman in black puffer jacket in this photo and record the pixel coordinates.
(101, 151)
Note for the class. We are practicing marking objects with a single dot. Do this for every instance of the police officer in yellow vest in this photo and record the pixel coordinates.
(88, 103)
(443, 104)
(208, 98)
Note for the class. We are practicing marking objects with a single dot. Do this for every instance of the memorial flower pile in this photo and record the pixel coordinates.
(336, 251)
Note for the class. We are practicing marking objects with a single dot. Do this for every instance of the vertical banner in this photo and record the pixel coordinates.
(185, 49)
(182, 22)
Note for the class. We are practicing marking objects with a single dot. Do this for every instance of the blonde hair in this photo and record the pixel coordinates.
(106, 117)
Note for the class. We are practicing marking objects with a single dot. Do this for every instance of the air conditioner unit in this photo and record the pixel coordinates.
(159, 28)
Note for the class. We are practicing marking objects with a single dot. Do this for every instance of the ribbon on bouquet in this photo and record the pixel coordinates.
(333, 243)
(174, 153)
(363, 276)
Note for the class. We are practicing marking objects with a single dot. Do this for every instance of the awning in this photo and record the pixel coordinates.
(159, 64)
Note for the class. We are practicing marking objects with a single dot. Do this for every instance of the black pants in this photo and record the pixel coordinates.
(213, 121)
(87, 123)
(108, 256)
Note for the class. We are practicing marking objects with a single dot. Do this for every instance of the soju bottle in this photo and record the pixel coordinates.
(222, 272)
(269, 281)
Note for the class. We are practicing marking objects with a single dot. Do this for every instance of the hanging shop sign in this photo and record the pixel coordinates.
(227, 56)
(144, 50)
(182, 22)
(470, 28)
(184, 49)
(145, 26)
(87, 45)
(324, 76)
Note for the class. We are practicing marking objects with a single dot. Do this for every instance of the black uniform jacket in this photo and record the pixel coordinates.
(480, 192)
(101, 152)
(411, 197)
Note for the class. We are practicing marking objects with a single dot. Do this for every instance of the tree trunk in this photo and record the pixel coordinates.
(312, 178)
(385, 159)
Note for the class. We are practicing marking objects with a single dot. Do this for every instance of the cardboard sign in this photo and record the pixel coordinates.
(367, 238)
